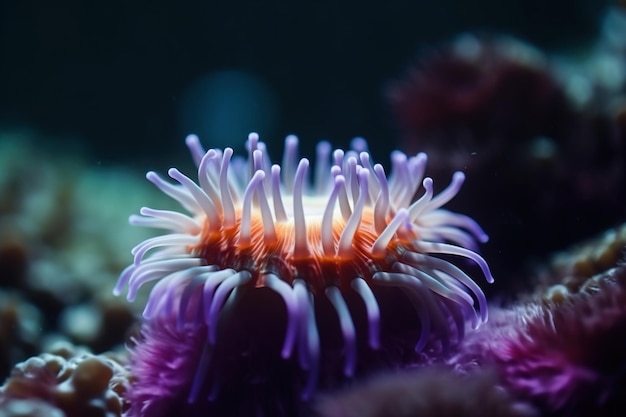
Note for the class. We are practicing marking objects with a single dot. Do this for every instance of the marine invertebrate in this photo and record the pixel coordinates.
(562, 354)
(569, 355)
(51, 257)
(579, 267)
(72, 383)
(330, 271)
(20, 330)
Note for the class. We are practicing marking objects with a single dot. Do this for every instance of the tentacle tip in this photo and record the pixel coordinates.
(286, 353)
(260, 174)
(210, 154)
(192, 139)
(477, 323)
(358, 143)
(419, 347)
(304, 163)
(323, 146)
(403, 214)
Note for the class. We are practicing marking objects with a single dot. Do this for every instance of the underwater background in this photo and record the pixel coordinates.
(527, 98)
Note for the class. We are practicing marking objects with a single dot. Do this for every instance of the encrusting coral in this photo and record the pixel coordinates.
(59, 254)
(70, 382)
(572, 270)
(20, 329)
(29, 408)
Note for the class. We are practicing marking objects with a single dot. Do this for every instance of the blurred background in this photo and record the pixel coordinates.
(129, 80)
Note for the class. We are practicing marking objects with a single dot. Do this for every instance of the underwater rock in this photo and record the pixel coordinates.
(424, 392)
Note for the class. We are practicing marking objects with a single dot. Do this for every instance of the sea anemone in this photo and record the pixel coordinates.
(363, 270)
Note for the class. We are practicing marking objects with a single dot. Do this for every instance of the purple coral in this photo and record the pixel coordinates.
(564, 356)
(570, 355)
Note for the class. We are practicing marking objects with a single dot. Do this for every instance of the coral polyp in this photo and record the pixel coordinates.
(350, 266)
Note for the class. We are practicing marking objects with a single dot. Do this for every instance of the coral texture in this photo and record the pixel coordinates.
(73, 383)
(569, 356)
(564, 355)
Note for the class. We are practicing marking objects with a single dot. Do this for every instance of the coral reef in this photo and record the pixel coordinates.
(573, 270)
(476, 98)
(67, 382)
(29, 408)
(352, 294)
(20, 329)
(517, 119)
(62, 246)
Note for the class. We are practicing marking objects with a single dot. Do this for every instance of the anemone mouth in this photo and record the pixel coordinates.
(349, 231)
